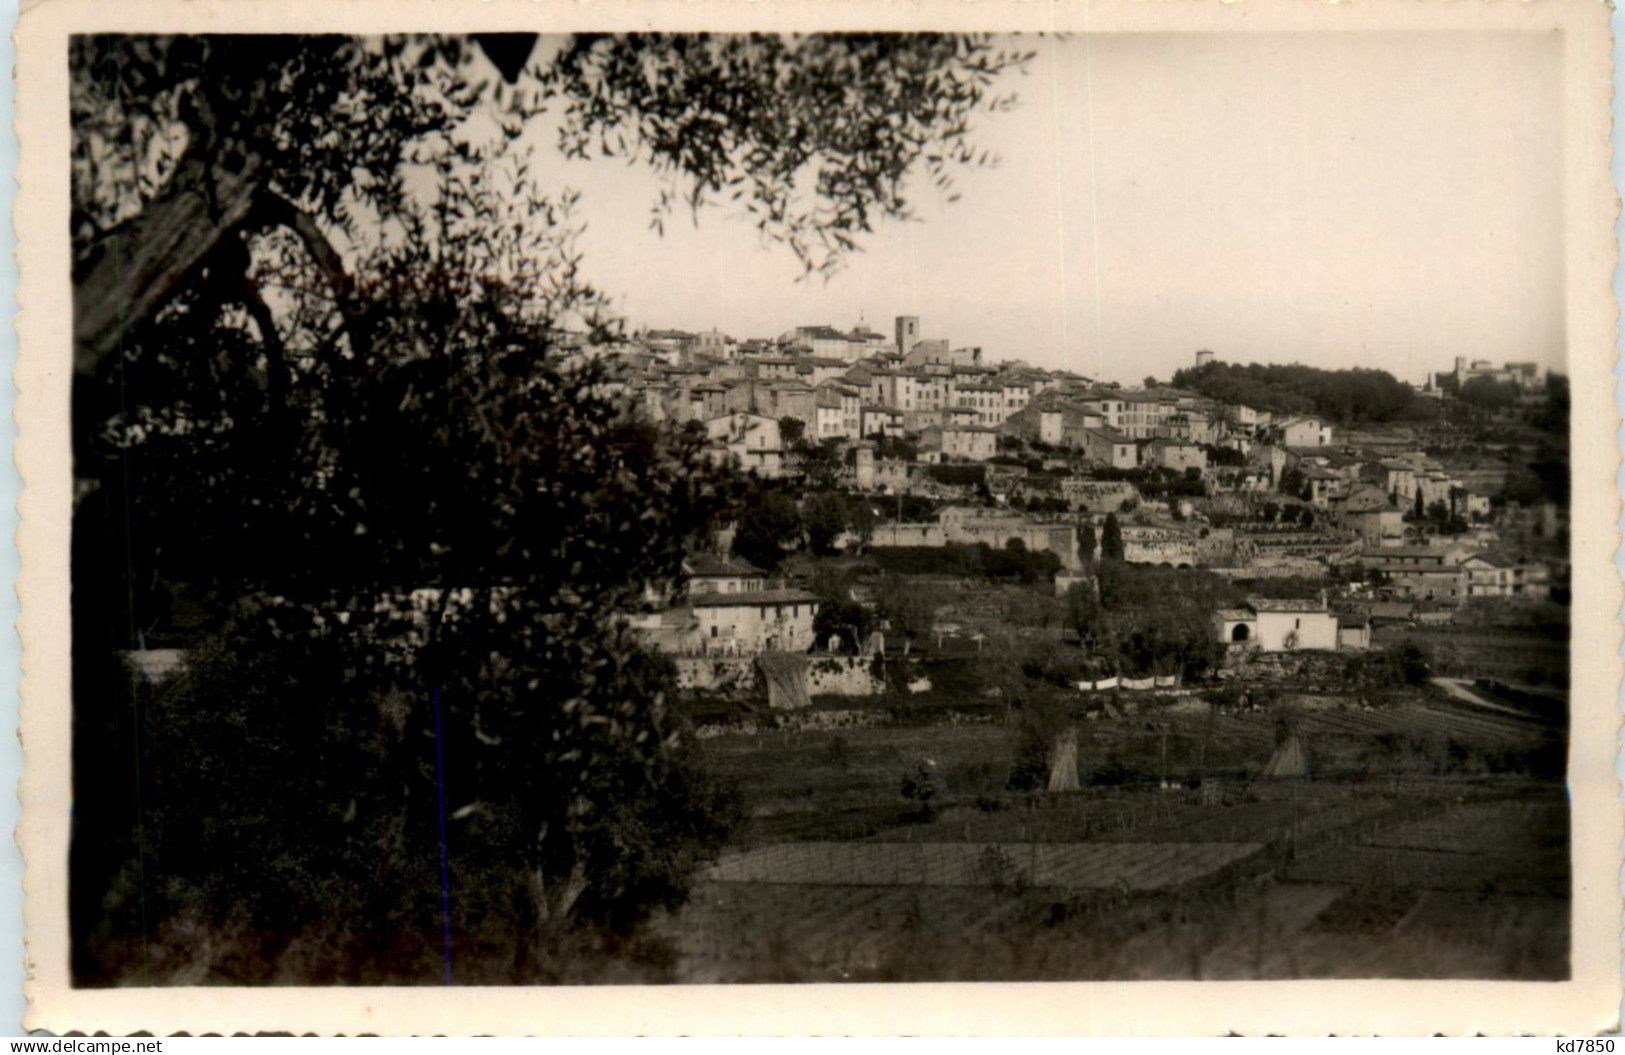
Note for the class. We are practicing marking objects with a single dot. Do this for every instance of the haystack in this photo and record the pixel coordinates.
(786, 676)
(1063, 761)
(1291, 757)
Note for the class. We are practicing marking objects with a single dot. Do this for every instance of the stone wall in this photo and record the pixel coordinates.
(717, 673)
(1249, 664)
(826, 675)
(843, 676)
(1098, 496)
(894, 534)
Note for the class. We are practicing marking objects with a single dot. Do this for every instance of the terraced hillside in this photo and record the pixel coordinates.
(1429, 840)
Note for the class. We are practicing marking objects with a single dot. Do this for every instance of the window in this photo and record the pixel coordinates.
(713, 630)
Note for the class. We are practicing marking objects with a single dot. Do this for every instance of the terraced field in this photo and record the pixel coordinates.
(1426, 843)
(1065, 866)
(1508, 847)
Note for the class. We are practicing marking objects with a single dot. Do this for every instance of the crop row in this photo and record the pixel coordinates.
(1130, 866)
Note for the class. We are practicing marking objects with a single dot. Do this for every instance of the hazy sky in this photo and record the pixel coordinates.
(1336, 199)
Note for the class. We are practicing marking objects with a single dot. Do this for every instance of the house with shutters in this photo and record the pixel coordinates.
(729, 608)
(975, 443)
(1172, 454)
(1371, 513)
(768, 619)
(1492, 575)
(881, 421)
(1112, 448)
(747, 441)
(838, 412)
(1419, 573)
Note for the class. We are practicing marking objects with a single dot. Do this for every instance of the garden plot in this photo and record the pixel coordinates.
(774, 932)
(1079, 866)
(1520, 873)
(1519, 846)
(1489, 828)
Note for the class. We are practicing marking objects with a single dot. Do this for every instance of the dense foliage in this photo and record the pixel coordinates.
(830, 514)
(415, 551)
(977, 561)
(398, 533)
(1150, 620)
(957, 475)
(1350, 397)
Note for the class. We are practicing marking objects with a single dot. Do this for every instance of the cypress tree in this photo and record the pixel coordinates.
(1111, 542)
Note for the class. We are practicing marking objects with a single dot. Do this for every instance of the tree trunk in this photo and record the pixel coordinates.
(135, 267)
(553, 902)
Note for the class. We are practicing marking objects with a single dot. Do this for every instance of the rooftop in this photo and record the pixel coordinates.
(752, 598)
(1406, 551)
(1494, 560)
(709, 565)
(1276, 604)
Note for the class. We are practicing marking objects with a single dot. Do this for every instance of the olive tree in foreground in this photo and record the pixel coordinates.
(327, 442)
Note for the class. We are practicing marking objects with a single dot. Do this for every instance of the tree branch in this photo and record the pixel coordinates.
(273, 210)
(134, 268)
(278, 372)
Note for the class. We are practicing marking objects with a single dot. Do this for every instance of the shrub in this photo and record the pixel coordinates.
(919, 787)
(1043, 718)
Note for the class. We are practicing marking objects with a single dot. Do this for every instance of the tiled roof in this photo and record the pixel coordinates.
(752, 598)
(1274, 604)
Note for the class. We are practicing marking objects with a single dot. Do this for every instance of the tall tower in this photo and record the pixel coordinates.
(1203, 358)
(908, 333)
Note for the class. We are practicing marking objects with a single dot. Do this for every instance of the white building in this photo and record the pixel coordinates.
(838, 412)
(764, 620)
(749, 441)
(1278, 626)
(1305, 432)
(1109, 447)
(971, 442)
(730, 609)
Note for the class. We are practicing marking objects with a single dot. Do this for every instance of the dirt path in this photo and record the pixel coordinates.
(1457, 688)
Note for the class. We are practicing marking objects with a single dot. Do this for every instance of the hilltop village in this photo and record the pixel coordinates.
(1021, 673)
(910, 461)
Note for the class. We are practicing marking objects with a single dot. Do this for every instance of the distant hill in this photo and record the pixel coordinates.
(1349, 397)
